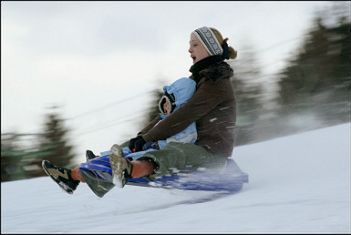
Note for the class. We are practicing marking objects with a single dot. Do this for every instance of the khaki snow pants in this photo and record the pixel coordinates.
(174, 157)
(179, 156)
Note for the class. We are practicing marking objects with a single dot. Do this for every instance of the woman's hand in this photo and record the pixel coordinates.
(136, 144)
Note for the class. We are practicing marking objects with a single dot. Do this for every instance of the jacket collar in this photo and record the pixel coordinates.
(212, 67)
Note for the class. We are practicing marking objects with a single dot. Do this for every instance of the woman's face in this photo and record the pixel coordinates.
(197, 50)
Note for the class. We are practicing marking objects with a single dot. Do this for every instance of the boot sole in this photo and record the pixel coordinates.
(64, 187)
(118, 166)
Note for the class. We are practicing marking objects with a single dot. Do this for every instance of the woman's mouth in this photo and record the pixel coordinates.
(194, 58)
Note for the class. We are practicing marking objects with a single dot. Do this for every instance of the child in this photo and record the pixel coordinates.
(174, 96)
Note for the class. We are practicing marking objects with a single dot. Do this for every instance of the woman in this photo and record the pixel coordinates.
(212, 107)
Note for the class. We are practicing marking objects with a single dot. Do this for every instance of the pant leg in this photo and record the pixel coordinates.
(182, 156)
(97, 173)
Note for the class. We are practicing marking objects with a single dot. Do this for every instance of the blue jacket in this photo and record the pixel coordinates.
(182, 89)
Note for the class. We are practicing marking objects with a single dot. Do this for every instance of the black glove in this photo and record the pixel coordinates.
(136, 144)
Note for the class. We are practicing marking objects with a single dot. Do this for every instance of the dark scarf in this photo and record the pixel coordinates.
(208, 61)
(203, 64)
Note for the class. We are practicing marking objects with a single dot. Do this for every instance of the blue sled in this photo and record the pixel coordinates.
(230, 179)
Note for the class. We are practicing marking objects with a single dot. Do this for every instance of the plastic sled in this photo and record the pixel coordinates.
(98, 175)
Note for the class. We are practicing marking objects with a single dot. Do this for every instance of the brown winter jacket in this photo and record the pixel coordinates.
(212, 107)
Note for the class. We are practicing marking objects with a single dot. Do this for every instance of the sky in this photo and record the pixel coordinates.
(99, 61)
(297, 184)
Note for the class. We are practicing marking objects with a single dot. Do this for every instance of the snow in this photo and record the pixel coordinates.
(297, 184)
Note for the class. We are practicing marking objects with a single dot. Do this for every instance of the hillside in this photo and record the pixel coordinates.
(298, 184)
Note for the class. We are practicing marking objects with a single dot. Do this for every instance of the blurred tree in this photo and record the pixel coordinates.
(20, 161)
(318, 79)
(247, 85)
(248, 88)
(11, 155)
(54, 144)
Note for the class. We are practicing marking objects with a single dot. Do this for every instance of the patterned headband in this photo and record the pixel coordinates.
(209, 40)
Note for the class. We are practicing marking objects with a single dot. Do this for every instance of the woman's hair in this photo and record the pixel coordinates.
(232, 52)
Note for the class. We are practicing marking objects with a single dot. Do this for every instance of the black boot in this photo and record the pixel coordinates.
(90, 155)
(61, 176)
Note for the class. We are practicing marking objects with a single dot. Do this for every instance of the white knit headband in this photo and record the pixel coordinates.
(209, 40)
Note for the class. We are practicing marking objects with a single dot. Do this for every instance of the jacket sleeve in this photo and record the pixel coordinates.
(206, 98)
(150, 125)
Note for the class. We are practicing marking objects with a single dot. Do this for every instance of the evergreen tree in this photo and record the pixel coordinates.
(247, 86)
(318, 79)
(54, 144)
(11, 156)
(248, 91)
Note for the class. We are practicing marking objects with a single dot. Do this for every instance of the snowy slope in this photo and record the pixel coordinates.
(299, 184)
